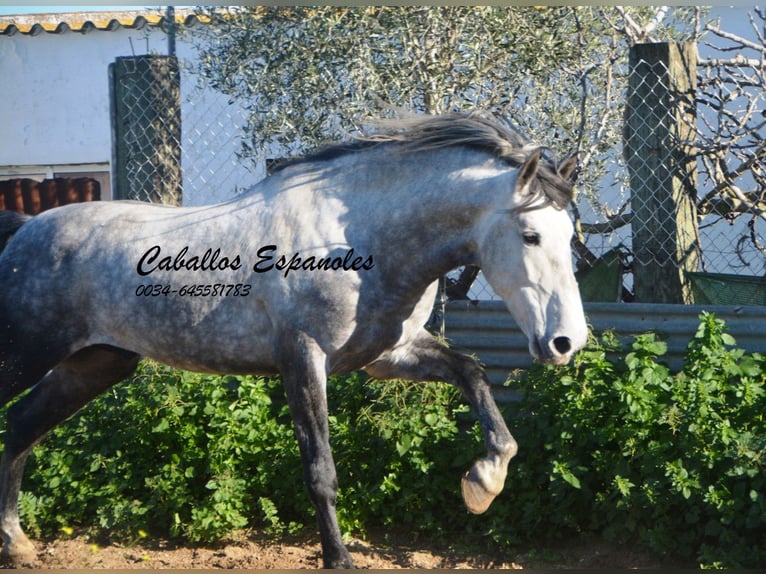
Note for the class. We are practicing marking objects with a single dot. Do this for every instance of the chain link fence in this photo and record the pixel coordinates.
(175, 140)
(658, 165)
(732, 198)
(146, 127)
(667, 218)
(215, 165)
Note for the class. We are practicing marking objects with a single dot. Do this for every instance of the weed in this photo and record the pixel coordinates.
(617, 447)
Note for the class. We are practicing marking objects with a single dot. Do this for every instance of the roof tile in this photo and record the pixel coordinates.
(86, 22)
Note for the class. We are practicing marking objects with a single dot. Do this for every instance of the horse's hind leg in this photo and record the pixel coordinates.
(59, 395)
(425, 359)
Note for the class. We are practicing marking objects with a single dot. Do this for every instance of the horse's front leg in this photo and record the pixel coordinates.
(425, 359)
(305, 378)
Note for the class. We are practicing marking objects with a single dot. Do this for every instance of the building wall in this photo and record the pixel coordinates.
(56, 97)
(55, 111)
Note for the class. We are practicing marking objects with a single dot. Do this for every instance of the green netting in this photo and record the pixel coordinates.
(603, 281)
(726, 289)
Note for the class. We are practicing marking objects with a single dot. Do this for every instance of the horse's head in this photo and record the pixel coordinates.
(525, 252)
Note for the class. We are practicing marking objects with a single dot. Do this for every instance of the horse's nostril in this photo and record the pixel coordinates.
(562, 344)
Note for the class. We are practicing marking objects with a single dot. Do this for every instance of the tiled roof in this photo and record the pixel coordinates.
(85, 22)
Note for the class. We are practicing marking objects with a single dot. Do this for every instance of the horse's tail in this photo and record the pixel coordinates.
(10, 222)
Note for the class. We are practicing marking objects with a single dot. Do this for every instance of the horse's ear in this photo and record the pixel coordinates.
(528, 170)
(567, 166)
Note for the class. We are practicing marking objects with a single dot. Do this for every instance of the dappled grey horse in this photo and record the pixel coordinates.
(327, 266)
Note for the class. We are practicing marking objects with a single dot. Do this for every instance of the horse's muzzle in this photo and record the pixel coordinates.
(555, 351)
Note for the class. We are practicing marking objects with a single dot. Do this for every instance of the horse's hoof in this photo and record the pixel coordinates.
(480, 487)
(18, 560)
(344, 563)
(20, 555)
(475, 496)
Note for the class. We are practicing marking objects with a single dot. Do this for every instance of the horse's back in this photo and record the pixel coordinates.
(126, 273)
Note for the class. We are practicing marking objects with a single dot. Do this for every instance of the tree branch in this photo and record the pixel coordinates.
(744, 42)
(738, 61)
(608, 226)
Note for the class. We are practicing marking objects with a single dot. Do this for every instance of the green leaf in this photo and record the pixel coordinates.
(403, 445)
(161, 426)
(562, 469)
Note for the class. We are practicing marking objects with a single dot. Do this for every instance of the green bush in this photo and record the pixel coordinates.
(170, 453)
(627, 449)
(179, 454)
(613, 444)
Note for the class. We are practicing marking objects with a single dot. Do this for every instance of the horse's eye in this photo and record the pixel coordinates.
(531, 238)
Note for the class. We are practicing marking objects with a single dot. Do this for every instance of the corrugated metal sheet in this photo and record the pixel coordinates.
(487, 330)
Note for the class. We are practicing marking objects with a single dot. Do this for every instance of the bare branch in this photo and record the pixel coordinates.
(659, 15)
(612, 224)
(731, 201)
(744, 42)
(634, 31)
(738, 61)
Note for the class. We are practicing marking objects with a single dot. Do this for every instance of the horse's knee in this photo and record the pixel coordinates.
(322, 484)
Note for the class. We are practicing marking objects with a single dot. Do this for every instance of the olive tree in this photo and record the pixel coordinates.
(309, 74)
(556, 74)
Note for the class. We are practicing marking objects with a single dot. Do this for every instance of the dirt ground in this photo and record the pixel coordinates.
(255, 552)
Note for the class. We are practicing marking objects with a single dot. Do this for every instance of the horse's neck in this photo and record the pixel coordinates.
(415, 213)
(428, 215)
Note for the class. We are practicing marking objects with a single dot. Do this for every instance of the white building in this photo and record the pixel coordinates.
(55, 101)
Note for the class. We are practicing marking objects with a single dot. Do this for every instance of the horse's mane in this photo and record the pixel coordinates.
(423, 133)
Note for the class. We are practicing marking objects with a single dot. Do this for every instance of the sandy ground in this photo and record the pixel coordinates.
(257, 552)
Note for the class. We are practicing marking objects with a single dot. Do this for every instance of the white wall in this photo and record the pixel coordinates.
(54, 109)
(55, 99)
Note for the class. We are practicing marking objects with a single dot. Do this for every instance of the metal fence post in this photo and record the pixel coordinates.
(660, 129)
(146, 128)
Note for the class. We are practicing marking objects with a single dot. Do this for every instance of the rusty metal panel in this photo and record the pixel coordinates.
(486, 329)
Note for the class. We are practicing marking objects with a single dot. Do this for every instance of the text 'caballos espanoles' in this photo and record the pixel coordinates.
(268, 259)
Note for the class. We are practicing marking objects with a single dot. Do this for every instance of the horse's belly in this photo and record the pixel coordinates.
(251, 364)
(232, 336)
(214, 354)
